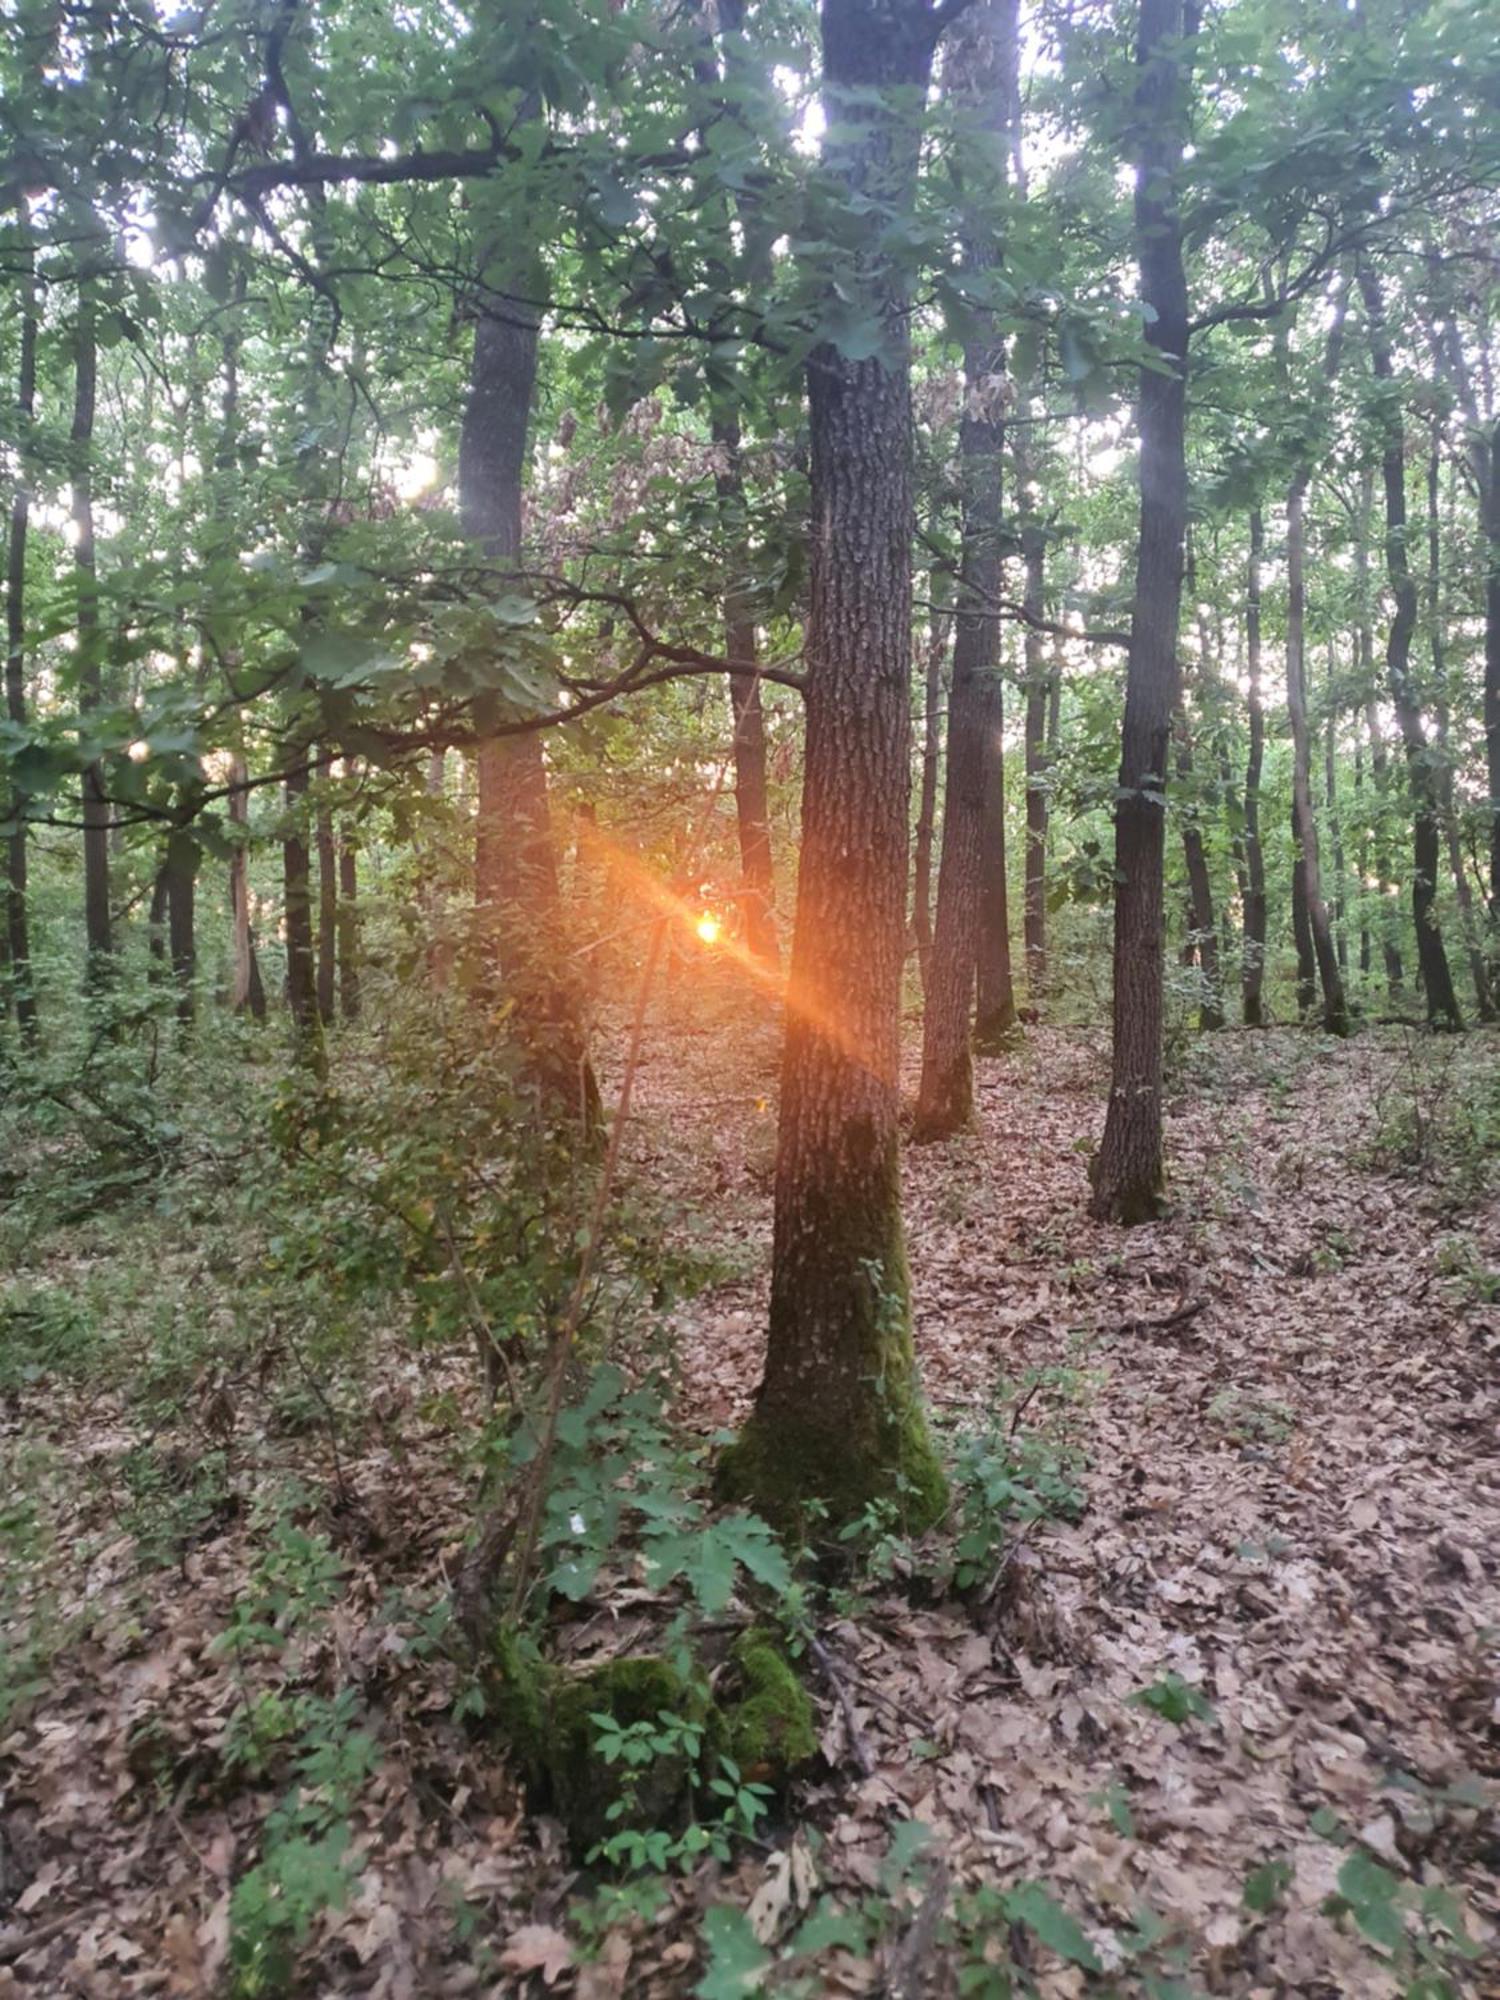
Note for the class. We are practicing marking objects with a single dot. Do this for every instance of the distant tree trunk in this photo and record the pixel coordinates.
(969, 934)
(1488, 449)
(1468, 929)
(1379, 762)
(21, 986)
(1361, 848)
(156, 921)
(1202, 930)
(1128, 1173)
(1038, 779)
(751, 799)
(328, 909)
(1253, 971)
(1422, 779)
(245, 988)
(1304, 819)
(1302, 933)
(932, 708)
(98, 927)
(181, 872)
(838, 1416)
(1336, 834)
(296, 875)
(996, 1021)
(350, 998)
(515, 862)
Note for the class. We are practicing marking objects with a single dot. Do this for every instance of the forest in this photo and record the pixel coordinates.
(749, 1074)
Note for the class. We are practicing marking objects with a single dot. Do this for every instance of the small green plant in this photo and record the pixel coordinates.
(1173, 1699)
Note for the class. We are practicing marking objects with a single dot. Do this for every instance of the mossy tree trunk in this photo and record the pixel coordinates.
(1129, 1173)
(838, 1418)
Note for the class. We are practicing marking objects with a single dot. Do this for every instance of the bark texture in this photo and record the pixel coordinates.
(1129, 1172)
(1253, 968)
(838, 1418)
(20, 987)
(98, 925)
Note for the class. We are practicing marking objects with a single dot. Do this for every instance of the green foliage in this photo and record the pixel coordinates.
(1173, 1699)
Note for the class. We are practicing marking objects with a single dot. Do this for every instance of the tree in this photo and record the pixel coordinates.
(971, 934)
(1253, 969)
(1128, 1172)
(98, 921)
(1421, 774)
(837, 1417)
(21, 991)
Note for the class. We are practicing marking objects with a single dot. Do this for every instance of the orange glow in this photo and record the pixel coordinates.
(708, 927)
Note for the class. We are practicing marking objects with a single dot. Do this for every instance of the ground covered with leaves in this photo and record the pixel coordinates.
(1197, 1692)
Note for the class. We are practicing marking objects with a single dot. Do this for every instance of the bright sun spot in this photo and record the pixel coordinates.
(708, 927)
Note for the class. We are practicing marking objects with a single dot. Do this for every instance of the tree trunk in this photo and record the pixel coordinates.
(932, 708)
(1302, 932)
(1490, 492)
(1336, 835)
(1038, 781)
(970, 933)
(245, 989)
(515, 860)
(350, 998)
(1422, 779)
(296, 872)
(328, 910)
(98, 927)
(1204, 934)
(1128, 1172)
(838, 1417)
(1253, 970)
(1304, 819)
(181, 870)
(21, 988)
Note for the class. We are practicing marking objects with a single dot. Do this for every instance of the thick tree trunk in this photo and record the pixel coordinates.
(98, 927)
(1422, 778)
(1304, 819)
(21, 988)
(932, 756)
(1038, 780)
(970, 934)
(515, 860)
(1128, 1172)
(1253, 970)
(1203, 933)
(838, 1417)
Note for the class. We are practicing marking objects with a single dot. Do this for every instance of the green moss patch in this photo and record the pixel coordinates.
(770, 1730)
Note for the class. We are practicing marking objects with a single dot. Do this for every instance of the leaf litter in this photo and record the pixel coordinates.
(1266, 1648)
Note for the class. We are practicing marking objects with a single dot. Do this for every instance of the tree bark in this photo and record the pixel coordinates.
(20, 984)
(1253, 969)
(838, 1417)
(350, 997)
(98, 925)
(932, 708)
(245, 988)
(1128, 1172)
(1203, 932)
(328, 911)
(296, 875)
(1304, 819)
(1336, 836)
(1432, 959)
(970, 935)
(515, 862)
(181, 871)
(1038, 779)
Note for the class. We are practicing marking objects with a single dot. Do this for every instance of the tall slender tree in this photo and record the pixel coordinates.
(1129, 1175)
(1253, 966)
(21, 987)
(838, 1415)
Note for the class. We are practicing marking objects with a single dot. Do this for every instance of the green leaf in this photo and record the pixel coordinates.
(1264, 1886)
(1172, 1698)
(737, 1960)
(1030, 1904)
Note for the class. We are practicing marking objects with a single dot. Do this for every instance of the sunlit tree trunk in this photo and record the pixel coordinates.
(838, 1416)
(1129, 1171)
(932, 757)
(1422, 778)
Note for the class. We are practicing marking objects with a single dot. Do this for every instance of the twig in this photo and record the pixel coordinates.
(1172, 1322)
(857, 1744)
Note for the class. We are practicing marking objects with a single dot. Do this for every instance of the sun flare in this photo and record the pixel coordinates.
(708, 927)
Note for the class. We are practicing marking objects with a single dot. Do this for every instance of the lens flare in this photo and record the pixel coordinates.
(708, 927)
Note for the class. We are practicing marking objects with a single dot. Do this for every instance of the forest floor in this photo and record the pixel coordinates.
(1254, 1670)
